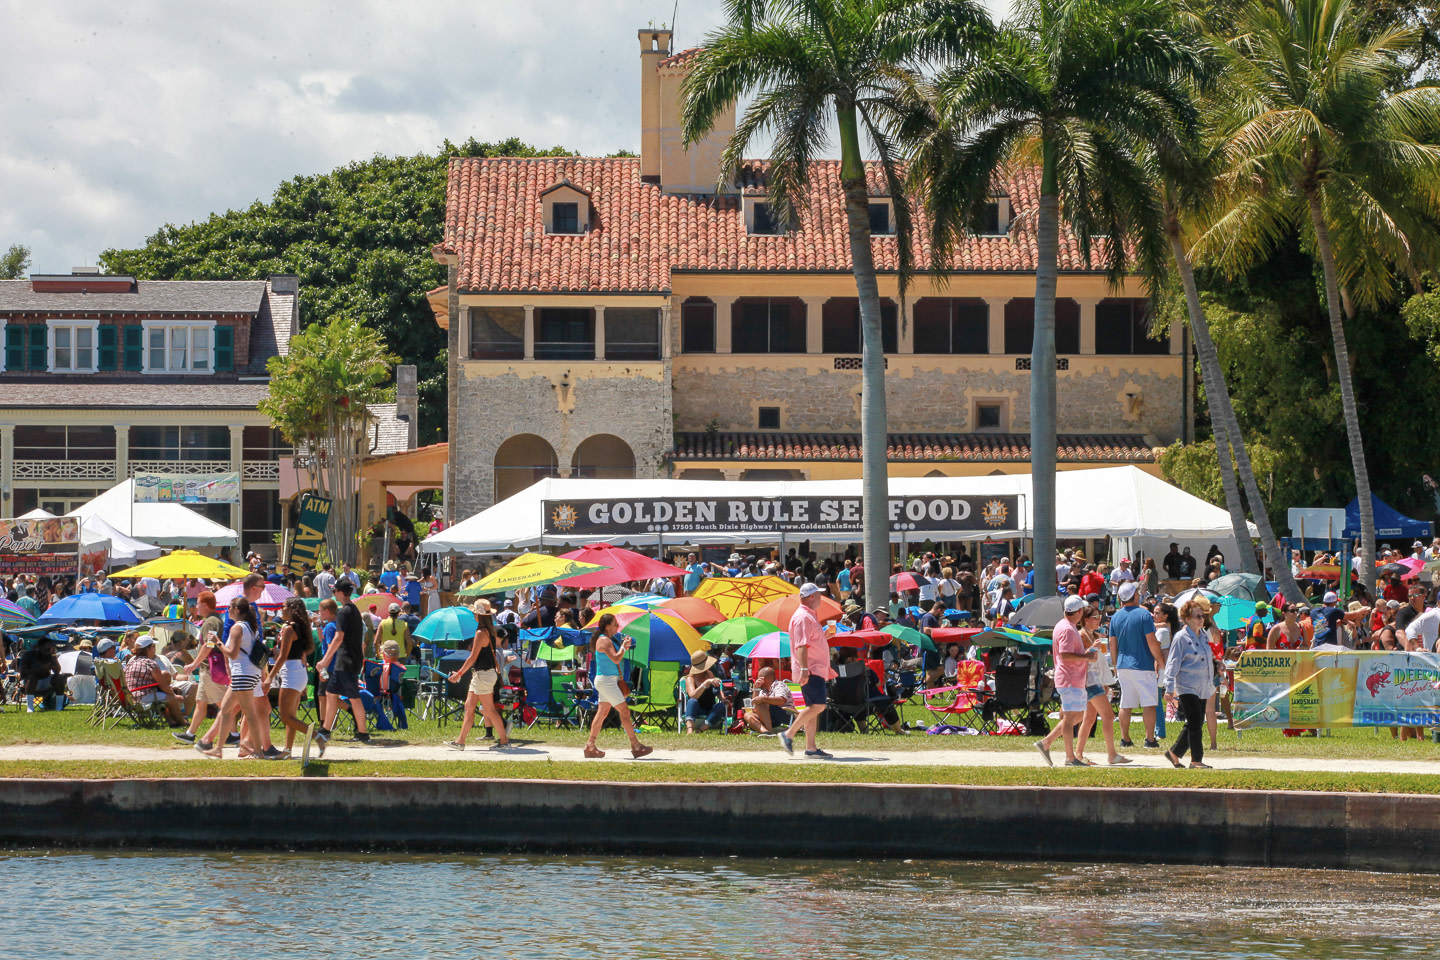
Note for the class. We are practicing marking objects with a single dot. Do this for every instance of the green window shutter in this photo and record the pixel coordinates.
(39, 346)
(224, 349)
(134, 349)
(14, 347)
(106, 344)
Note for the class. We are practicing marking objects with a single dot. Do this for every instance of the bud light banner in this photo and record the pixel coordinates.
(1305, 689)
(192, 488)
(806, 516)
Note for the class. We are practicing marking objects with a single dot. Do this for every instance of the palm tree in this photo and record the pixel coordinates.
(1323, 135)
(1081, 86)
(1185, 174)
(807, 62)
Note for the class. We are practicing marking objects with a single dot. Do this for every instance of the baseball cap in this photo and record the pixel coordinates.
(394, 608)
(1332, 597)
(1394, 604)
(1124, 559)
(1127, 590)
(808, 590)
(1261, 606)
(144, 640)
(1073, 603)
(509, 603)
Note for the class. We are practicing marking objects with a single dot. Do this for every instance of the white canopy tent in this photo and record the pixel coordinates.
(164, 524)
(125, 550)
(1119, 502)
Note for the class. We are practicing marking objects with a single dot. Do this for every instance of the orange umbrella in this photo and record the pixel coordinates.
(694, 611)
(743, 596)
(780, 611)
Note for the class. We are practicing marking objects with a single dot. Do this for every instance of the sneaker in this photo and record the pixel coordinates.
(455, 745)
(1044, 752)
(501, 747)
(362, 737)
(184, 736)
(232, 740)
(1126, 743)
(1120, 758)
(320, 742)
(818, 754)
(1152, 744)
(787, 744)
(273, 754)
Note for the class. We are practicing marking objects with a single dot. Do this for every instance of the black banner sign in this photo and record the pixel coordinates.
(813, 516)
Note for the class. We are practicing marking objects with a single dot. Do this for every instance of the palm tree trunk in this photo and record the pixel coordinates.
(1245, 562)
(874, 424)
(1347, 394)
(1223, 413)
(1042, 379)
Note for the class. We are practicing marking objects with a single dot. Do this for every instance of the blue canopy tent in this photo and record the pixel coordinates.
(1390, 524)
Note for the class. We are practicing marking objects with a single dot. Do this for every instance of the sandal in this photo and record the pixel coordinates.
(1197, 765)
(641, 751)
(1174, 760)
(593, 752)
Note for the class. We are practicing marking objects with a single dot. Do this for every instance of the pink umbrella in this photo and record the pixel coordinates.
(272, 596)
(1415, 564)
(623, 566)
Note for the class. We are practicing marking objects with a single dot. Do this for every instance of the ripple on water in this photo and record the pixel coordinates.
(332, 906)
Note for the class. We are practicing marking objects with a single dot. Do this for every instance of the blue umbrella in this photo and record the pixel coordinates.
(447, 623)
(90, 606)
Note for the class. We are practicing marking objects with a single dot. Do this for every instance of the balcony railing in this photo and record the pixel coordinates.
(61, 470)
(184, 468)
(260, 471)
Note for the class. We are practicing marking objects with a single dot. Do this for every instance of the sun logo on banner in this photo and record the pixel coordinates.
(995, 513)
(564, 517)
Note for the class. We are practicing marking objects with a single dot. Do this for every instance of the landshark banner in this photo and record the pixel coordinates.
(810, 516)
(1361, 688)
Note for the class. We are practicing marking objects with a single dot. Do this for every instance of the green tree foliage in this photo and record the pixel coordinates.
(14, 262)
(359, 238)
(320, 397)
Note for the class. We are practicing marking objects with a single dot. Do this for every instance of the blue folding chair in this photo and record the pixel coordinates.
(540, 697)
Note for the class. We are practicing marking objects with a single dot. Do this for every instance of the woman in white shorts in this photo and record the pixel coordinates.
(244, 679)
(483, 681)
(294, 647)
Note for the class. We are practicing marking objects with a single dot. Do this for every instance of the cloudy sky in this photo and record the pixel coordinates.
(120, 117)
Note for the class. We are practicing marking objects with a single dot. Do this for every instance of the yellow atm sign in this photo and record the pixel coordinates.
(309, 533)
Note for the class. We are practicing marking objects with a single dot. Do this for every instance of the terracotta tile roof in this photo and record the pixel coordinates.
(639, 234)
(907, 447)
(679, 59)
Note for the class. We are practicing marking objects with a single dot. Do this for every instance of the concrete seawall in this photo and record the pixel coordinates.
(1245, 828)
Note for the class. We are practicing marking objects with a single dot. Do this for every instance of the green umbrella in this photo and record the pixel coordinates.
(312, 604)
(910, 635)
(737, 631)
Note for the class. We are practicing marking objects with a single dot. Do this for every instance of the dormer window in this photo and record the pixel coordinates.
(762, 222)
(996, 222)
(880, 223)
(566, 209)
(565, 218)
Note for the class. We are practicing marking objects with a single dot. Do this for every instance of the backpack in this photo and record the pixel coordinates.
(259, 652)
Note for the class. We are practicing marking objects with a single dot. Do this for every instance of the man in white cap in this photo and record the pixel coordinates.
(1326, 619)
(810, 666)
(1135, 652)
(1071, 662)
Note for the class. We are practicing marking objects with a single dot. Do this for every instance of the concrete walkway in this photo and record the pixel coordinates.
(615, 752)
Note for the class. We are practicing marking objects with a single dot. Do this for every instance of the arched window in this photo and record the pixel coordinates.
(521, 461)
(603, 457)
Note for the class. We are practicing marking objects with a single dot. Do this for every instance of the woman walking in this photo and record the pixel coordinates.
(483, 681)
(295, 645)
(1190, 676)
(608, 658)
(1097, 703)
(244, 678)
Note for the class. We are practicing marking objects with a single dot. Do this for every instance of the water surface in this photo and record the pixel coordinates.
(336, 906)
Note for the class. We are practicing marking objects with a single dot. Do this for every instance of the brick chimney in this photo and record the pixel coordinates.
(407, 400)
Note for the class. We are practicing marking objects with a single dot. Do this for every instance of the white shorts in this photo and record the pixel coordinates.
(293, 676)
(1072, 699)
(608, 689)
(1138, 688)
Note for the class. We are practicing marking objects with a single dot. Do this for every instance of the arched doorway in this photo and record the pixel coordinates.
(521, 461)
(603, 457)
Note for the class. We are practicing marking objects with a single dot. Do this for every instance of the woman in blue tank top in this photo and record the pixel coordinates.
(608, 658)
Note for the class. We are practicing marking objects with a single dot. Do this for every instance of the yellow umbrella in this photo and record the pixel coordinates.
(530, 570)
(184, 563)
(743, 596)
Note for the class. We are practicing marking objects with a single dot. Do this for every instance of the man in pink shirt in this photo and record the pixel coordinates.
(1071, 661)
(810, 665)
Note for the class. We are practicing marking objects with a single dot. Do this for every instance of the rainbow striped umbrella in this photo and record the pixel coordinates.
(12, 614)
(663, 636)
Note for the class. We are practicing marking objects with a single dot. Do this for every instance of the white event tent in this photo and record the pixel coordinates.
(95, 532)
(1124, 503)
(164, 524)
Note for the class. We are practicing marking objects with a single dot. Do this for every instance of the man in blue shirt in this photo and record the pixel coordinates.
(844, 579)
(694, 574)
(1135, 652)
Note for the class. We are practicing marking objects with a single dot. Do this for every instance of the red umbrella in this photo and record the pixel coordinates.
(625, 565)
(871, 638)
(906, 581)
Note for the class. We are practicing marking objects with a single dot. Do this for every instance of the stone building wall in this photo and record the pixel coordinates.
(1097, 394)
(564, 403)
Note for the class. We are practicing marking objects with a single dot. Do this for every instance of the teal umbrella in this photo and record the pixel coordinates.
(1234, 611)
(448, 623)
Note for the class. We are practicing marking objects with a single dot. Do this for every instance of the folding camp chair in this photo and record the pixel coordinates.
(959, 703)
(1012, 698)
(540, 698)
(660, 702)
(849, 700)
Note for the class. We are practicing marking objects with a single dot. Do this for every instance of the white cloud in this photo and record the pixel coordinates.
(119, 118)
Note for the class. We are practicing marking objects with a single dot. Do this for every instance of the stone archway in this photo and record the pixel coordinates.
(603, 457)
(521, 461)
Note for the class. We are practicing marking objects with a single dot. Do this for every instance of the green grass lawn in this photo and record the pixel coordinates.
(799, 772)
(70, 726)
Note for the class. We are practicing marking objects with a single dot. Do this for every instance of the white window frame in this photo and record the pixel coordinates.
(168, 325)
(888, 203)
(749, 215)
(92, 325)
